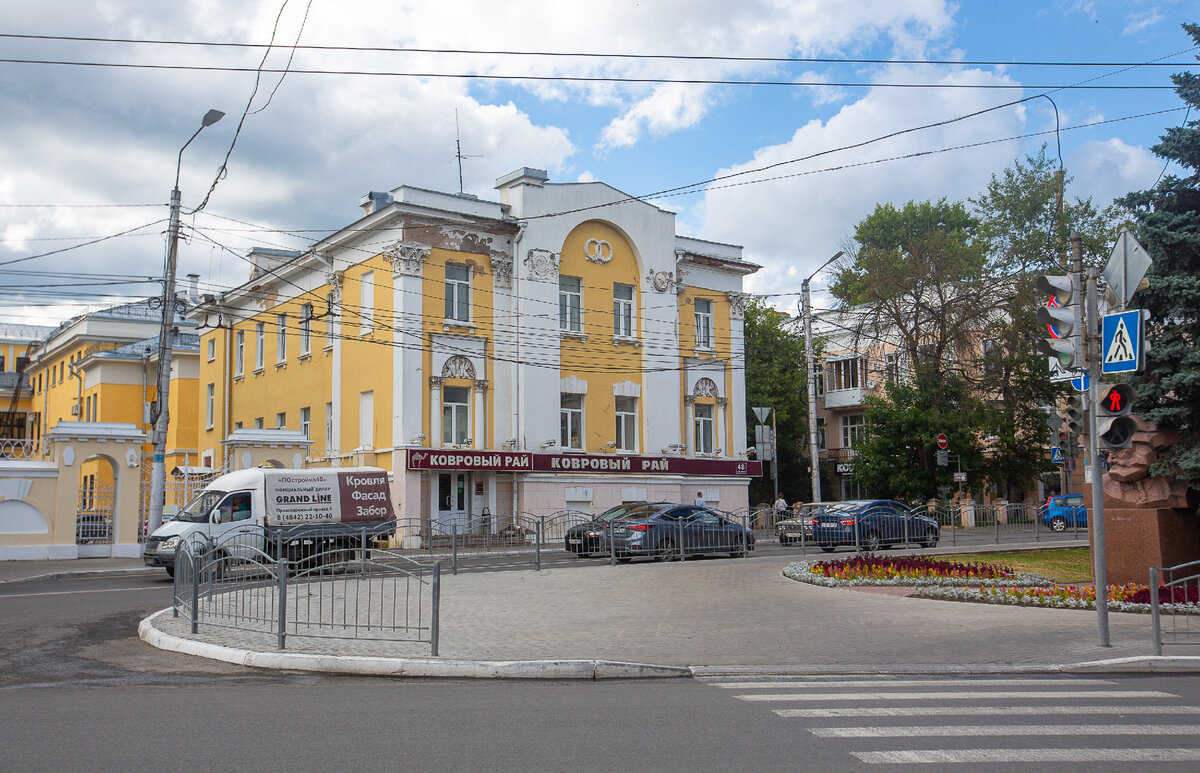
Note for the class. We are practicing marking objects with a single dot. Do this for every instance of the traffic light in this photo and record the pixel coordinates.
(1060, 316)
(1077, 415)
(1114, 424)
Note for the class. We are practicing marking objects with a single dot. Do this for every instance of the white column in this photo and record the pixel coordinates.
(725, 450)
(689, 424)
(479, 428)
(435, 413)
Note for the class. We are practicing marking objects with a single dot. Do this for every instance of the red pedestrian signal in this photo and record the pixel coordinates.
(1114, 425)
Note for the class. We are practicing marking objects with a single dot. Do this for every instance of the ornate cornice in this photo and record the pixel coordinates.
(502, 268)
(737, 304)
(406, 258)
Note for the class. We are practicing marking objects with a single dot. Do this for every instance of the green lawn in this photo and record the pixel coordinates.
(1065, 565)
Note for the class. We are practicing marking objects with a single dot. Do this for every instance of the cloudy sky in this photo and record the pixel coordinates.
(99, 96)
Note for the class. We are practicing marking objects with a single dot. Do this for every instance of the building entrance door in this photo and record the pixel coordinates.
(452, 502)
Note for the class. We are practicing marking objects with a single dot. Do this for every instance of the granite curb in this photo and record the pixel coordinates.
(590, 669)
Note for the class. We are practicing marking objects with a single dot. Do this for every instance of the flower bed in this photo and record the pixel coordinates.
(869, 569)
(984, 583)
(1121, 598)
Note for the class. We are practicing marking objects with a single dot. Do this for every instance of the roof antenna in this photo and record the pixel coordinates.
(459, 154)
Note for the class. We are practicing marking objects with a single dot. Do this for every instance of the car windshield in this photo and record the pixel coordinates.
(198, 510)
(618, 511)
(810, 510)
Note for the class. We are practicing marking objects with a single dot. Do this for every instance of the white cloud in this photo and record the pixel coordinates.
(1108, 169)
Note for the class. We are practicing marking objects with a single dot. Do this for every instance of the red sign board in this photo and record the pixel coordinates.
(525, 461)
(943, 442)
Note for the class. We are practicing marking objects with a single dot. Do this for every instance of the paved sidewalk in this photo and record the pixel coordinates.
(710, 616)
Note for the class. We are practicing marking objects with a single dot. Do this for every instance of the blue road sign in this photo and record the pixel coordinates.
(1121, 342)
(1081, 383)
(1056, 455)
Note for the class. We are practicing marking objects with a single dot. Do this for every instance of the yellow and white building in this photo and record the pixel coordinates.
(559, 347)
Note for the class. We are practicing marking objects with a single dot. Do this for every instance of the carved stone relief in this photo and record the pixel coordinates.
(502, 268)
(543, 264)
(598, 251)
(458, 367)
(406, 258)
(706, 387)
(737, 304)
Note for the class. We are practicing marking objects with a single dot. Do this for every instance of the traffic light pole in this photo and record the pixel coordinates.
(1092, 358)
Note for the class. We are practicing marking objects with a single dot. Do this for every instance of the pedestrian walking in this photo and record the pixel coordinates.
(699, 501)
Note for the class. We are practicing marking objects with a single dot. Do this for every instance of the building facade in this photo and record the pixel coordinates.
(558, 348)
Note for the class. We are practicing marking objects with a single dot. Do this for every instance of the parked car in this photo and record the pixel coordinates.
(872, 524)
(669, 532)
(799, 527)
(1065, 512)
(592, 537)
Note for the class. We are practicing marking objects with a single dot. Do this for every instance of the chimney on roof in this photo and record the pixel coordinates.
(375, 201)
(523, 176)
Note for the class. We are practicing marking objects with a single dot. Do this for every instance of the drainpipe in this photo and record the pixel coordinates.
(228, 385)
(516, 310)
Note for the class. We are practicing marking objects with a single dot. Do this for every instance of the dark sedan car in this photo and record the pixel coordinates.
(873, 524)
(676, 531)
(591, 538)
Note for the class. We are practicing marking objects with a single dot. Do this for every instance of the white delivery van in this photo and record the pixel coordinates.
(307, 510)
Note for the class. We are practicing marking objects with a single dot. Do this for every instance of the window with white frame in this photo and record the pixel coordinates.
(570, 302)
(281, 339)
(891, 367)
(852, 429)
(847, 373)
(626, 414)
(571, 421)
(239, 352)
(702, 430)
(306, 317)
(366, 301)
(330, 322)
(458, 292)
(210, 404)
(237, 425)
(212, 349)
(281, 420)
(259, 342)
(456, 415)
(328, 426)
(366, 419)
(820, 434)
(306, 422)
(258, 422)
(623, 311)
(704, 318)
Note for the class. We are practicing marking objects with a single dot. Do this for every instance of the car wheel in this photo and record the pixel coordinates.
(1058, 523)
(171, 572)
(739, 551)
(625, 560)
(930, 542)
(580, 554)
(666, 550)
(827, 549)
(872, 544)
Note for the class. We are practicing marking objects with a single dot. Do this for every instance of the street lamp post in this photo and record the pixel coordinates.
(166, 341)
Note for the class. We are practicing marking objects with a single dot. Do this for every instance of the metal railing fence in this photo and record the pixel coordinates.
(321, 586)
(1172, 585)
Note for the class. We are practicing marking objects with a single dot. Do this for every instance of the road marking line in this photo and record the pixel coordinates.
(884, 683)
(959, 711)
(921, 696)
(929, 756)
(73, 592)
(917, 731)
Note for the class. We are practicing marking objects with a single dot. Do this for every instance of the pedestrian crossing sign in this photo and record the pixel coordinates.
(1121, 342)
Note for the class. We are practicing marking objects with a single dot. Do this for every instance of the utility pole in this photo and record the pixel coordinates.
(1092, 354)
(166, 342)
(815, 461)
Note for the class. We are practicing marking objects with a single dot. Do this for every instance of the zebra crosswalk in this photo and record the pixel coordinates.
(973, 720)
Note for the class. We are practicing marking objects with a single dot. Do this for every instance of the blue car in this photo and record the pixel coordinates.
(1065, 512)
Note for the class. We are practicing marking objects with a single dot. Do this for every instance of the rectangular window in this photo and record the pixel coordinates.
(991, 356)
(702, 437)
(328, 426)
(210, 403)
(852, 429)
(366, 419)
(570, 301)
(626, 411)
(703, 323)
(281, 420)
(212, 349)
(367, 302)
(891, 367)
(281, 339)
(306, 422)
(455, 415)
(306, 315)
(237, 425)
(845, 374)
(623, 311)
(258, 422)
(571, 421)
(458, 292)
(239, 351)
(260, 343)
(820, 434)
